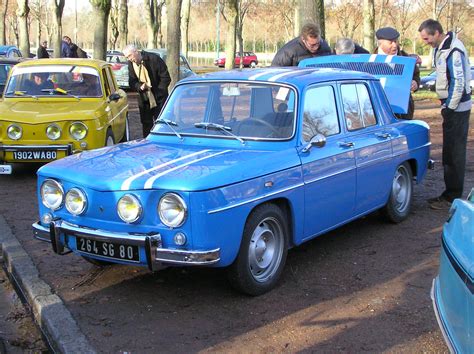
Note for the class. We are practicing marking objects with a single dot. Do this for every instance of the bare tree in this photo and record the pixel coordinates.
(101, 10)
(244, 6)
(36, 11)
(114, 11)
(185, 12)
(321, 16)
(173, 38)
(348, 17)
(231, 10)
(3, 12)
(22, 13)
(153, 20)
(369, 25)
(123, 23)
(58, 7)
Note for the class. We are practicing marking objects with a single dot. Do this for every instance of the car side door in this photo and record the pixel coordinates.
(329, 171)
(372, 146)
(116, 104)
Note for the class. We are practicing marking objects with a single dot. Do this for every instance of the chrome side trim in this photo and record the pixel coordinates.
(38, 147)
(255, 199)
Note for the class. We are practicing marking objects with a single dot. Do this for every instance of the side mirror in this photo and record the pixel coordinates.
(114, 97)
(318, 140)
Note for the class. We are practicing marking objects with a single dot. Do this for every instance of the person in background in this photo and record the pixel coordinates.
(309, 44)
(387, 44)
(42, 52)
(347, 46)
(453, 78)
(149, 76)
(68, 48)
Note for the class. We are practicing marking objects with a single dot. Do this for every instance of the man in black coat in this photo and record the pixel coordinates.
(149, 76)
(42, 52)
(308, 45)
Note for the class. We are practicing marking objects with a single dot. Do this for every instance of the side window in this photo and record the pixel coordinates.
(358, 110)
(320, 113)
(108, 89)
(110, 80)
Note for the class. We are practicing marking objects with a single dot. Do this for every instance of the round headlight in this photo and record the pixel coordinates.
(129, 208)
(14, 132)
(52, 194)
(53, 132)
(172, 210)
(78, 130)
(76, 201)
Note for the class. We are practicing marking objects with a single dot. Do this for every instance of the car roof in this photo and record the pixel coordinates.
(296, 76)
(98, 64)
(11, 60)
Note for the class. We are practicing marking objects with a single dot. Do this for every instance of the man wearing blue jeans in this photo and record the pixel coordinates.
(453, 88)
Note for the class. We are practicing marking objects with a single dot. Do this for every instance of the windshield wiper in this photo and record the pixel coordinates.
(170, 124)
(21, 93)
(223, 128)
(61, 91)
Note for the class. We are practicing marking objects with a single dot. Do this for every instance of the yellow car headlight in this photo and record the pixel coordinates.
(78, 130)
(129, 208)
(172, 210)
(14, 132)
(52, 194)
(53, 132)
(76, 201)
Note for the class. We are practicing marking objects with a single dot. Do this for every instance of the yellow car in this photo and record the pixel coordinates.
(52, 108)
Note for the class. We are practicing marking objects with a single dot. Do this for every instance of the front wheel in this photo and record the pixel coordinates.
(253, 64)
(399, 203)
(126, 134)
(109, 138)
(262, 253)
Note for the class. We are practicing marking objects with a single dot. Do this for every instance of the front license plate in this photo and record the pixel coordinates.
(34, 155)
(108, 249)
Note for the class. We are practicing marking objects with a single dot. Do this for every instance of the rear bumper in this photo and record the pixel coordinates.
(59, 231)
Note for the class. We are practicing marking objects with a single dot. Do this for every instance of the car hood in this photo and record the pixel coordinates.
(143, 164)
(48, 110)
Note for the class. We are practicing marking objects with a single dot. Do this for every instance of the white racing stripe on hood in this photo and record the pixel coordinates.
(151, 180)
(126, 184)
(266, 72)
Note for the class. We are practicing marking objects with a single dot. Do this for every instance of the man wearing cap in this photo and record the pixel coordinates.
(387, 44)
(309, 44)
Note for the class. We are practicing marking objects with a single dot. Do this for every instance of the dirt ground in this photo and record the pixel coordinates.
(361, 288)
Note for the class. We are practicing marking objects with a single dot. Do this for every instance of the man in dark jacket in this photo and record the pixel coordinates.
(308, 45)
(149, 76)
(68, 48)
(42, 52)
(387, 41)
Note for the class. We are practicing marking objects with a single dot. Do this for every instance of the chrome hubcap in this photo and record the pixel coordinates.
(401, 189)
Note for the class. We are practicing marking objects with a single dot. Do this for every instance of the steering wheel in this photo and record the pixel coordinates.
(248, 121)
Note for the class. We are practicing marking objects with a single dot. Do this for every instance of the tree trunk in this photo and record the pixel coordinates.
(173, 39)
(321, 17)
(186, 10)
(309, 11)
(101, 11)
(114, 30)
(123, 23)
(153, 21)
(22, 13)
(58, 7)
(232, 17)
(369, 25)
(3, 12)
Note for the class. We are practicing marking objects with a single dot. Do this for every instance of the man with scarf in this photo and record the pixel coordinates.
(149, 76)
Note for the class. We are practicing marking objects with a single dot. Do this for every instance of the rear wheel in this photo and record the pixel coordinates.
(400, 200)
(253, 64)
(262, 253)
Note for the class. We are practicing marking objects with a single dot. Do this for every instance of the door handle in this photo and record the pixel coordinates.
(346, 144)
(382, 135)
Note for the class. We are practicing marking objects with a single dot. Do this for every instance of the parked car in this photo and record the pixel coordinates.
(120, 68)
(428, 82)
(453, 289)
(249, 60)
(240, 166)
(10, 51)
(6, 64)
(184, 67)
(57, 107)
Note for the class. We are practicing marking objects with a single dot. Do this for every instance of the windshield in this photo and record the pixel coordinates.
(230, 110)
(54, 80)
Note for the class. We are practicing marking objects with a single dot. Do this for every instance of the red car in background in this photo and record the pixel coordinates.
(250, 60)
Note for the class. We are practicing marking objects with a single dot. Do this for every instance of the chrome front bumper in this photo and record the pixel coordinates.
(155, 254)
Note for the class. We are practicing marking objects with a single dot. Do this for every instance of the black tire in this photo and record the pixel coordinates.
(126, 135)
(262, 253)
(253, 64)
(96, 262)
(399, 203)
(109, 138)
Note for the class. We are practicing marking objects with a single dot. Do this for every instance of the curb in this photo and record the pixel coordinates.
(54, 319)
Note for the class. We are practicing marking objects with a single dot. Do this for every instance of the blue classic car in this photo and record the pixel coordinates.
(239, 167)
(453, 289)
